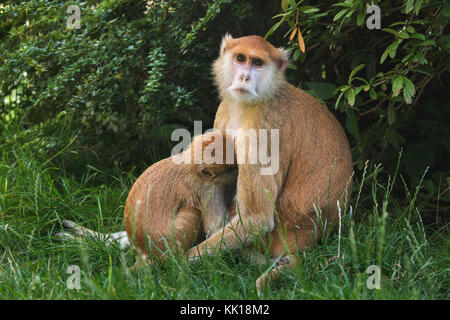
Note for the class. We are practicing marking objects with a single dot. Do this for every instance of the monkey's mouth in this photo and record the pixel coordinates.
(241, 91)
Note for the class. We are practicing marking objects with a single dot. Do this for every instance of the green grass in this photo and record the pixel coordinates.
(382, 229)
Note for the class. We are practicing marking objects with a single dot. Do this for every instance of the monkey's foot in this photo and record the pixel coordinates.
(282, 261)
(196, 253)
(193, 258)
(137, 265)
(142, 260)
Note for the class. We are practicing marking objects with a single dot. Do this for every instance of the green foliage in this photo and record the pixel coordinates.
(73, 101)
(380, 230)
(132, 74)
(118, 78)
(378, 78)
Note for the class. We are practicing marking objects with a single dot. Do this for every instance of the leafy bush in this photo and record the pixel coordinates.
(391, 83)
(114, 89)
(119, 78)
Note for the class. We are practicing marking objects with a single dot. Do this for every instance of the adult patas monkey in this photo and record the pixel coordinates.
(315, 164)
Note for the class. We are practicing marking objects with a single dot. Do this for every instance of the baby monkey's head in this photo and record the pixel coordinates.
(212, 157)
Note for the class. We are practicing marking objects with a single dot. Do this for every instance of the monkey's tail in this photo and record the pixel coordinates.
(286, 262)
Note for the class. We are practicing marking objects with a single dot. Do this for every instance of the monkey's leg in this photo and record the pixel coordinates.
(215, 212)
(285, 262)
(187, 226)
(140, 261)
(255, 213)
(237, 233)
(153, 245)
(285, 245)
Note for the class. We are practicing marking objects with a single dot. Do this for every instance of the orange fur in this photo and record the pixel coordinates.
(315, 160)
(177, 204)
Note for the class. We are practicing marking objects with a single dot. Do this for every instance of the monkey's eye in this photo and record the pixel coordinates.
(207, 174)
(241, 58)
(257, 62)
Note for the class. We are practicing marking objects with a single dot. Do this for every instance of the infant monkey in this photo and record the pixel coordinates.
(177, 205)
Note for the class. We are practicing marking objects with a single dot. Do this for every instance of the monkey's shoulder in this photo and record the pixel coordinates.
(300, 99)
(162, 177)
(310, 109)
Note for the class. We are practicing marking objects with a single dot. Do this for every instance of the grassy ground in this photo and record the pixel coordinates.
(381, 230)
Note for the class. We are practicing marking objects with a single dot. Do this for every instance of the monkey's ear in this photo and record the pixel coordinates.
(223, 45)
(284, 59)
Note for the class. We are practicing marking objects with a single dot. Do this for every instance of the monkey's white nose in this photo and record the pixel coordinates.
(244, 77)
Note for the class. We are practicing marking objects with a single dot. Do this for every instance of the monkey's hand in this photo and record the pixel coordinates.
(236, 234)
(192, 255)
(196, 252)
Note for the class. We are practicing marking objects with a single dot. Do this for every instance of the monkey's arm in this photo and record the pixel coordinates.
(215, 212)
(255, 215)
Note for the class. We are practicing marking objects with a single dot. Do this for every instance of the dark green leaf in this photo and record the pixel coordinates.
(323, 90)
(397, 85)
(354, 71)
(391, 115)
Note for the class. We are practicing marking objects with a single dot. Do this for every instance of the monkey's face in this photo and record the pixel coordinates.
(249, 69)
